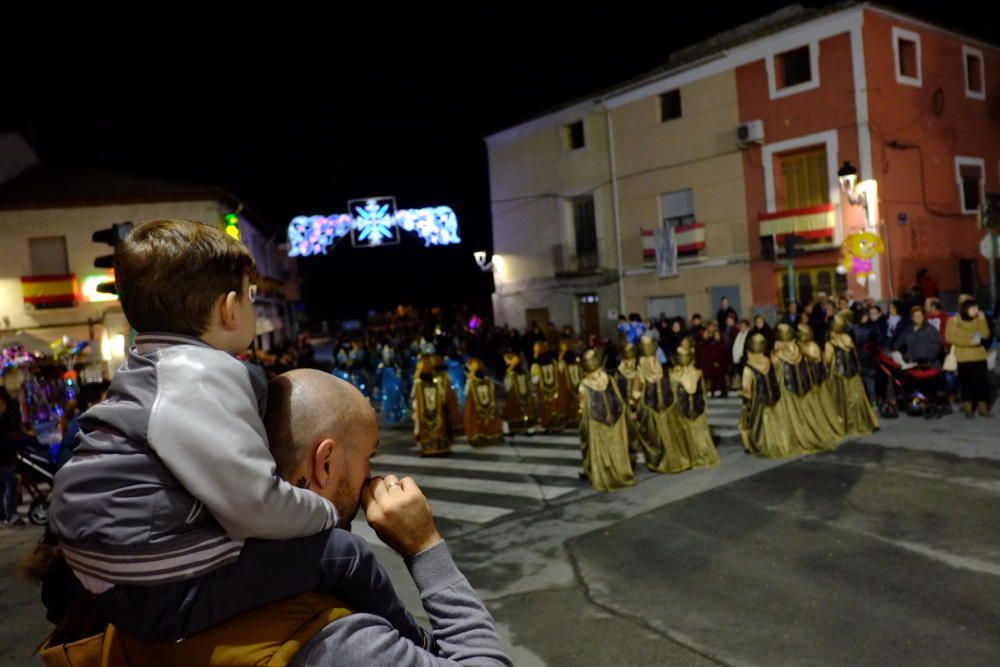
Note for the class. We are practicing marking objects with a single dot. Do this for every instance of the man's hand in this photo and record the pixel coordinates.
(399, 513)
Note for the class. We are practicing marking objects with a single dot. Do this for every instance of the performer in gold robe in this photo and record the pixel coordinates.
(823, 406)
(809, 430)
(482, 418)
(430, 421)
(626, 378)
(569, 384)
(660, 432)
(846, 388)
(603, 434)
(691, 398)
(763, 427)
(545, 375)
(453, 418)
(519, 408)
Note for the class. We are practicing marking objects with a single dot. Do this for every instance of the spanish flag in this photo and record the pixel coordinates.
(50, 291)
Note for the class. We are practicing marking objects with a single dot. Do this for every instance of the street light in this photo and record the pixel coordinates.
(848, 177)
(480, 256)
(860, 194)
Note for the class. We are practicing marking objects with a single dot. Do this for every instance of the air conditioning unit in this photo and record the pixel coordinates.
(751, 132)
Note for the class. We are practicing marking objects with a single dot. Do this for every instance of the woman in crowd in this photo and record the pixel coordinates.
(967, 333)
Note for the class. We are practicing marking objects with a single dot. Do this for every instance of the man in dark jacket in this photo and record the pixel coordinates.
(8, 480)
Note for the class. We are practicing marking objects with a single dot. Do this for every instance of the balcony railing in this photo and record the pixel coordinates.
(51, 291)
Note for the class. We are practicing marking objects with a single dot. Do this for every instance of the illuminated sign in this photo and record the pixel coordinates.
(373, 222)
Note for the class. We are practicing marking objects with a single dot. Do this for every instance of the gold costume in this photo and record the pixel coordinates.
(762, 424)
(808, 428)
(660, 430)
(545, 374)
(518, 409)
(603, 434)
(828, 417)
(569, 384)
(429, 411)
(690, 405)
(482, 418)
(625, 378)
(846, 388)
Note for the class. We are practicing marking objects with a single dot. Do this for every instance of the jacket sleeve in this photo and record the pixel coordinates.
(205, 428)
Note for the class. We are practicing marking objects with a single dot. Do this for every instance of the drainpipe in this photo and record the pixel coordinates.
(614, 208)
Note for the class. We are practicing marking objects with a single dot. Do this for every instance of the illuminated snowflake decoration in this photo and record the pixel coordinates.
(375, 223)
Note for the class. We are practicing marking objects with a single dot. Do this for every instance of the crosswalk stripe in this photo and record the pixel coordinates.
(547, 470)
(445, 509)
(498, 487)
(550, 437)
(514, 452)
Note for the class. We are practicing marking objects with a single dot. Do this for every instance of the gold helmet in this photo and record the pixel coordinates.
(629, 352)
(591, 361)
(511, 360)
(757, 344)
(425, 365)
(684, 356)
(805, 332)
(785, 333)
(540, 348)
(474, 365)
(647, 347)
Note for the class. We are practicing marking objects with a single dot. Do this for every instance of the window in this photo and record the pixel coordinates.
(574, 135)
(48, 256)
(974, 76)
(794, 67)
(906, 47)
(670, 105)
(585, 228)
(969, 173)
(677, 208)
(804, 179)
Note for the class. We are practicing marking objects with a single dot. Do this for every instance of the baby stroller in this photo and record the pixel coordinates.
(37, 472)
(914, 387)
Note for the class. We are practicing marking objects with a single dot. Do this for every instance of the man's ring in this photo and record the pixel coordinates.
(392, 484)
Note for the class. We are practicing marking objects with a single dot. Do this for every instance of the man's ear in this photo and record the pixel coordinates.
(322, 457)
(229, 311)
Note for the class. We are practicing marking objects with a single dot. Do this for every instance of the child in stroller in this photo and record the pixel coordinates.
(915, 388)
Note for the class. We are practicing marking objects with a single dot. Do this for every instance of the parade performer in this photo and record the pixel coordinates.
(690, 397)
(452, 416)
(627, 378)
(569, 383)
(809, 430)
(482, 418)
(660, 432)
(823, 407)
(846, 388)
(545, 375)
(430, 397)
(394, 408)
(603, 433)
(519, 408)
(762, 425)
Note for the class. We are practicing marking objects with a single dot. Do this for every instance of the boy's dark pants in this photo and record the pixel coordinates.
(333, 561)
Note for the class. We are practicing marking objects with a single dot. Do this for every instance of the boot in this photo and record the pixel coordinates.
(967, 409)
(984, 409)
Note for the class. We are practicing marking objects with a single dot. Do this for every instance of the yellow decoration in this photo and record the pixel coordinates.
(857, 255)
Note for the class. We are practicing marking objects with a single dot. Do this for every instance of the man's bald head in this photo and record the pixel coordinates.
(305, 407)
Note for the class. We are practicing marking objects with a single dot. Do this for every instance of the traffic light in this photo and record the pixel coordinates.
(112, 236)
(793, 246)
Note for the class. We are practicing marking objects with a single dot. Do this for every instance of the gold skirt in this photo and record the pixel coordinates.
(662, 440)
(851, 402)
(605, 455)
(697, 440)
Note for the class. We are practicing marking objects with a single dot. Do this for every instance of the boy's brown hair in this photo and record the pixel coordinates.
(170, 273)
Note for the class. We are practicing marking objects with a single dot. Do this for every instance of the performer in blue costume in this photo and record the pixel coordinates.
(456, 372)
(394, 405)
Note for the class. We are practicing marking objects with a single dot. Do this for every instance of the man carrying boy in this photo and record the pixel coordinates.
(171, 504)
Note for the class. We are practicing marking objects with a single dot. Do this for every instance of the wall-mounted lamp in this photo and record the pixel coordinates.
(484, 265)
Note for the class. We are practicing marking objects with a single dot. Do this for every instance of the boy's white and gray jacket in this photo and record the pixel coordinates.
(173, 472)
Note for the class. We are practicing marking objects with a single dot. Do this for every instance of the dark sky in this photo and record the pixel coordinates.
(298, 114)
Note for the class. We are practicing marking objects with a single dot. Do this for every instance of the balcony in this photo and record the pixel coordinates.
(816, 224)
(569, 262)
(690, 241)
(51, 291)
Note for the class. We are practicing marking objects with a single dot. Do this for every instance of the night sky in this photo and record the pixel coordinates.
(297, 115)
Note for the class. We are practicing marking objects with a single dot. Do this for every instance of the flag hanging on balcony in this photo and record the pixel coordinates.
(666, 252)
